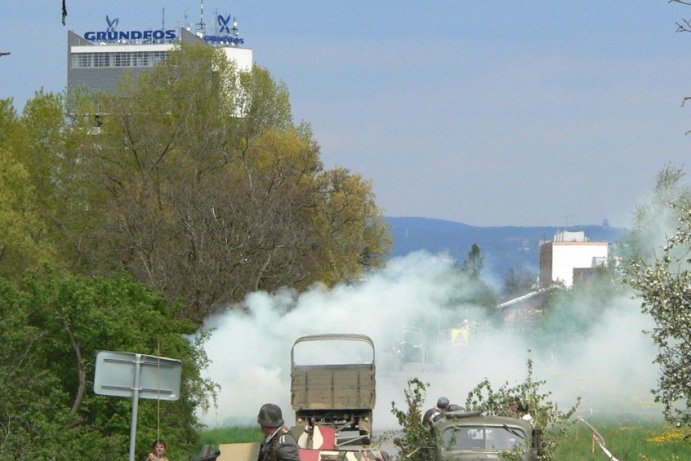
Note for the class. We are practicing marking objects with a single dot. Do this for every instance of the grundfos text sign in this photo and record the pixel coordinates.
(131, 35)
(111, 35)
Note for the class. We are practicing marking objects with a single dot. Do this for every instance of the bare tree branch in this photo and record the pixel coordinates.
(686, 27)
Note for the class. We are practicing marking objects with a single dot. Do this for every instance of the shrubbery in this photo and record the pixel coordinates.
(416, 440)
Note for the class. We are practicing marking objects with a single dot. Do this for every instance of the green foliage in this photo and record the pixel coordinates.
(42, 186)
(545, 415)
(20, 219)
(203, 188)
(656, 256)
(474, 262)
(196, 182)
(51, 330)
(471, 291)
(664, 286)
(415, 440)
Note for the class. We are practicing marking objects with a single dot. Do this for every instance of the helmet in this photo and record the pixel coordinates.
(270, 415)
(442, 403)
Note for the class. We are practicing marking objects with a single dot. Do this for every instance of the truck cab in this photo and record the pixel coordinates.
(472, 436)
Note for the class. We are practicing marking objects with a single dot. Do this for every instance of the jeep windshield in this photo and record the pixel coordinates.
(482, 438)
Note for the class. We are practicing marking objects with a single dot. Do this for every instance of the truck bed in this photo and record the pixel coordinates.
(333, 387)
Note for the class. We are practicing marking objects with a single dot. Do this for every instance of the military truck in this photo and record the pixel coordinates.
(333, 391)
(472, 436)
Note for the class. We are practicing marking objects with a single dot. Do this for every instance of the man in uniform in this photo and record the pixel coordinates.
(279, 444)
(435, 413)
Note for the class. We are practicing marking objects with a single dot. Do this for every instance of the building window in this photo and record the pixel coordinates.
(81, 60)
(158, 56)
(140, 59)
(101, 59)
(122, 59)
(118, 59)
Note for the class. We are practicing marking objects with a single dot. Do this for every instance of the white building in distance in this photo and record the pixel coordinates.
(568, 254)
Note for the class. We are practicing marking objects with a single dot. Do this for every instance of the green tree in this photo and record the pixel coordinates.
(20, 242)
(474, 263)
(473, 291)
(42, 186)
(8, 120)
(664, 286)
(206, 190)
(656, 264)
(51, 330)
(415, 441)
(353, 234)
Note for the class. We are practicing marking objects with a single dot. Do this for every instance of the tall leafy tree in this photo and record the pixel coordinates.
(473, 290)
(207, 190)
(23, 182)
(20, 219)
(665, 289)
(42, 186)
(353, 232)
(474, 263)
(661, 279)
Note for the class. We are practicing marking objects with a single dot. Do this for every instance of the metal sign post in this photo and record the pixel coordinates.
(135, 403)
(126, 374)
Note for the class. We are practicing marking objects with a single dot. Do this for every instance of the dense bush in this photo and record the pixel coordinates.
(51, 328)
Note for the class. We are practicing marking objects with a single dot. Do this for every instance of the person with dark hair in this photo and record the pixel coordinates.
(519, 410)
(279, 444)
(158, 451)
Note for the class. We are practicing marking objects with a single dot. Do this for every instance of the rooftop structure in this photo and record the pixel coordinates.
(569, 252)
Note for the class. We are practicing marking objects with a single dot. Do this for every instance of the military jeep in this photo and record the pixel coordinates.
(472, 436)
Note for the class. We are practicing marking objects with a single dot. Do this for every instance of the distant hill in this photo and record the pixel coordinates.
(501, 247)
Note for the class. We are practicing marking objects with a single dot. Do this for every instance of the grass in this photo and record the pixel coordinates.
(215, 437)
(639, 440)
(632, 440)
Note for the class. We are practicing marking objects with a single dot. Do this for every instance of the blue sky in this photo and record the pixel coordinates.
(484, 112)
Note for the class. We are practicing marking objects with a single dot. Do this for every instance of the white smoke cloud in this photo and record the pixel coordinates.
(250, 348)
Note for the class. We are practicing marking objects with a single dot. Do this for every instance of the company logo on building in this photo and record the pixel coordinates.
(223, 22)
(112, 24)
(113, 35)
(228, 32)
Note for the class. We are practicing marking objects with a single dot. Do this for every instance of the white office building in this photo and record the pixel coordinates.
(98, 59)
(568, 254)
